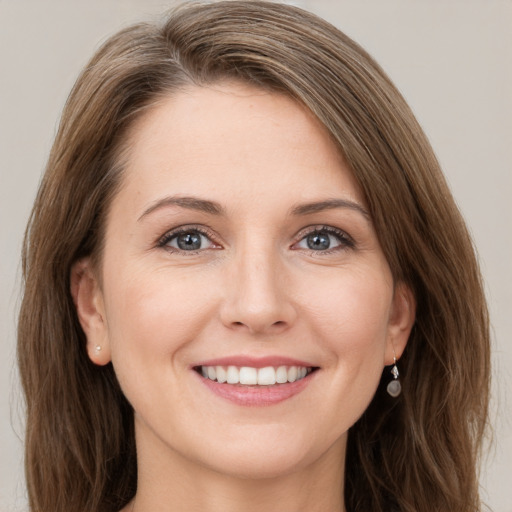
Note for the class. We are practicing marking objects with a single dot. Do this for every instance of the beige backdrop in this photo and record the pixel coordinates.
(451, 59)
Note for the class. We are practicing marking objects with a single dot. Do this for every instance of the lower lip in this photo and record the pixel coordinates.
(257, 395)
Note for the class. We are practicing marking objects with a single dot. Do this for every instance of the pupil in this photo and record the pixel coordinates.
(318, 241)
(189, 241)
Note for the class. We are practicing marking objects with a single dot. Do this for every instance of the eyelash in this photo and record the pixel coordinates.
(171, 235)
(346, 242)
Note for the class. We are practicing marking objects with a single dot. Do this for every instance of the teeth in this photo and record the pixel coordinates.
(282, 375)
(212, 374)
(248, 376)
(266, 376)
(222, 375)
(233, 375)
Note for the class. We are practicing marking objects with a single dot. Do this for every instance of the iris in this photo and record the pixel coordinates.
(318, 241)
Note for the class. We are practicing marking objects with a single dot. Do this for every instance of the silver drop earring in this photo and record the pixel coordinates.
(394, 388)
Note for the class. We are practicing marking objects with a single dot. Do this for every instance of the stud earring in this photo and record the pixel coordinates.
(394, 388)
(97, 349)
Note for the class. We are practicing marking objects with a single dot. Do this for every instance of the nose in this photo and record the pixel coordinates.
(257, 298)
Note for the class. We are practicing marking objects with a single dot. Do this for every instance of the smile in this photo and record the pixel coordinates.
(249, 376)
(247, 381)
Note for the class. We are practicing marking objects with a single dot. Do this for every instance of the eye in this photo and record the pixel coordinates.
(325, 239)
(187, 240)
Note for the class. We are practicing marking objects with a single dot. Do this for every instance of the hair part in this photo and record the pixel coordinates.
(415, 453)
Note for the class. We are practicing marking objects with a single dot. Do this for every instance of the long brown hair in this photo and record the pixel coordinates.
(418, 452)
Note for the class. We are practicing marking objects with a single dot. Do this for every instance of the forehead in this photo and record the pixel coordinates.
(233, 137)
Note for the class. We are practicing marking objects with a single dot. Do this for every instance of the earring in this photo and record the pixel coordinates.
(97, 349)
(394, 388)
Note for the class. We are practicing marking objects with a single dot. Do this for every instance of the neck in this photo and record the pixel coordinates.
(167, 482)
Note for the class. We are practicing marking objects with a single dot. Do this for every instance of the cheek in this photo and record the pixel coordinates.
(152, 318)
(349, 317)
(152, 314)
(352, 307)
(346, 314)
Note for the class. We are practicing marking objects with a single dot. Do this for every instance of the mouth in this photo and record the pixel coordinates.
(255, 382)
(251, 376)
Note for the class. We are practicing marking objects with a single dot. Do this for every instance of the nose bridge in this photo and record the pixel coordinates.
(257, 298)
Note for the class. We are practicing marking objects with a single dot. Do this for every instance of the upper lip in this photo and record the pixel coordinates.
(254, 362)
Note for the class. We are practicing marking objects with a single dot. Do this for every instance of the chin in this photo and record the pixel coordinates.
(257, 465)
(267, 453)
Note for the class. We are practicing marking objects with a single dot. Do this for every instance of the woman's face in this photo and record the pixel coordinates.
(240, 247)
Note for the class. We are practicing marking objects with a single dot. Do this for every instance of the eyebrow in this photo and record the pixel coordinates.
(190, 203)
(329, 204)
(214, 208)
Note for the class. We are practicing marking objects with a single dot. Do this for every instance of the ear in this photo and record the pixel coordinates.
(401, 320)
(88, 299)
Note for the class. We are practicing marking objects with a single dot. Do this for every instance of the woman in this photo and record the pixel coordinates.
(240, 232)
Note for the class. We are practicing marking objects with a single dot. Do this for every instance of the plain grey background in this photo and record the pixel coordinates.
(452, 59)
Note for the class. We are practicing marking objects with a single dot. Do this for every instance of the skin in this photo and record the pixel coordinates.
(253, 288)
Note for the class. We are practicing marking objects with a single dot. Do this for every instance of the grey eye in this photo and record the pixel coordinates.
(189, 241)
(319, 241)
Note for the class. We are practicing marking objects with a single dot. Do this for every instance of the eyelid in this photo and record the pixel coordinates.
(347, 242)
(186, 228)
